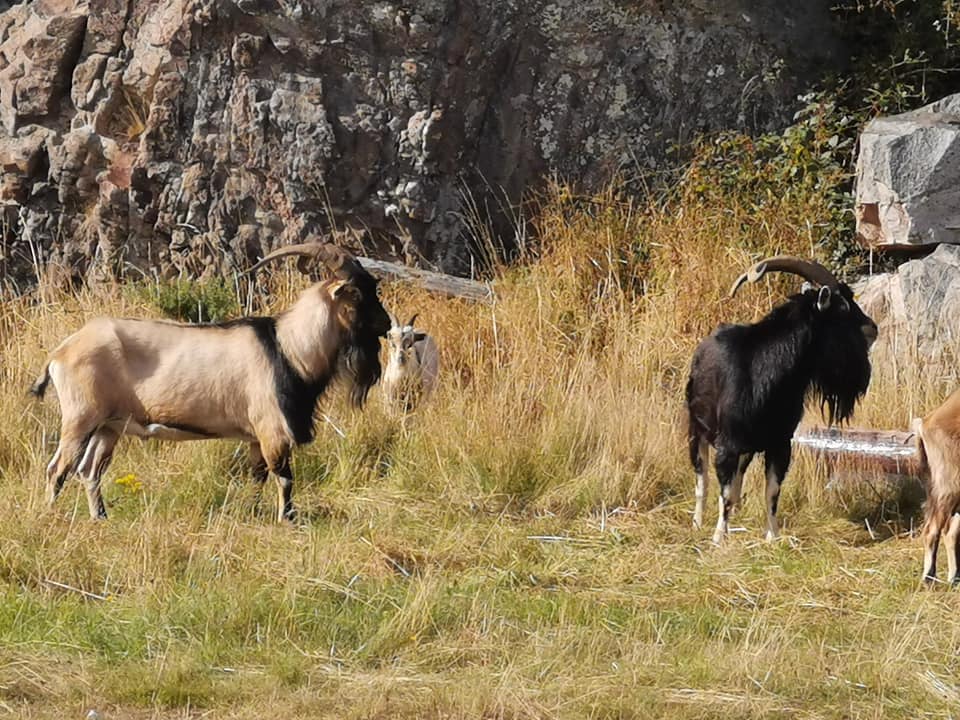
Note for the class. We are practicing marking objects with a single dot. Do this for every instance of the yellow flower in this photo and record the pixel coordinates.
(129, 483)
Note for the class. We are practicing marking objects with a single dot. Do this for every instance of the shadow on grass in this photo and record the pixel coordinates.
(886, 505)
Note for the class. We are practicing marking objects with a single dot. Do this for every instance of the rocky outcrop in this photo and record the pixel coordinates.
(918, 307)
(908, 175)
(192, 135)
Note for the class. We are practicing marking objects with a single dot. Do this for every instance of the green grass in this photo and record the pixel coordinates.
(642, 616)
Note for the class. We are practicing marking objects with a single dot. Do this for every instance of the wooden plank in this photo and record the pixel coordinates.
(440, 283)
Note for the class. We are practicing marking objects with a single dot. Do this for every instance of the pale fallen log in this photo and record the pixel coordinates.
(891, 452)
(447, 285)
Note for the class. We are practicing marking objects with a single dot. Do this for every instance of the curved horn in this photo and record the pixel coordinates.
(807, 269)
(413, 319)
(339, 261)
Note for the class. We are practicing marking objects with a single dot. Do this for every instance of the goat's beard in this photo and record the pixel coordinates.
(361, 363)
(842, 376)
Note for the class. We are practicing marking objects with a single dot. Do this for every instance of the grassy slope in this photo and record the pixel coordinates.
(520, 549)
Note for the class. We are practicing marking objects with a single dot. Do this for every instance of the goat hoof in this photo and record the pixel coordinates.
(718, 538)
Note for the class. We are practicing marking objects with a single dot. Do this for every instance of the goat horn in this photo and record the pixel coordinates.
(339, 261)
(807, 269)
(413, 319)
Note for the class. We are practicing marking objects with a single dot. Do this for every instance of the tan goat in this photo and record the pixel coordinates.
(938, 445)
(256, 379)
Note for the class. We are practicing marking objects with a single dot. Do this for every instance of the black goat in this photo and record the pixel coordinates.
(748, 383)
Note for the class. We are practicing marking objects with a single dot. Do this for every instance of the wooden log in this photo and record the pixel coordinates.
(440, 283)
(885, 451)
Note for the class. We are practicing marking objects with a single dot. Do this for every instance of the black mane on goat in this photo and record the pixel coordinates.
(748, 383)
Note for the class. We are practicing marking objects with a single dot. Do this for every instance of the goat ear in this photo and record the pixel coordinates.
(419, 337)
(343, 290)
(823, 298)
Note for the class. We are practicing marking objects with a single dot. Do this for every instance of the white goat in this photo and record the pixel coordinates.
(257, 379)
(412, 365)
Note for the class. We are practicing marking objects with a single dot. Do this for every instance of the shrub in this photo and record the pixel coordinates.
(192, 300)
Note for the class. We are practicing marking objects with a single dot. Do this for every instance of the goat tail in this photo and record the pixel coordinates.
(916, 428)
(39, 386)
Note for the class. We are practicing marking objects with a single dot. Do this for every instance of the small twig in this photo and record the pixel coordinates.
(851, 683)
(85, 593)
(327, 419)
(341, 589)
(398, 566)
(565, 539)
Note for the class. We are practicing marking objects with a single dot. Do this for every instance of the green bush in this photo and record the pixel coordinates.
(192, 300)
(810, 159)
(906, 55)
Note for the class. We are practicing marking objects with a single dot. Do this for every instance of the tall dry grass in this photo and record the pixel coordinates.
(519, 548)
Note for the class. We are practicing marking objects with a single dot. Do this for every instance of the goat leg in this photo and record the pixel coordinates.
(74, 445)
(258, 465)
(92, 466)
(284, 476)
(931, 540)
(55, 478)
(777, 461)
(951, 539)
(736, 488)
(726, 465)
(699, 455)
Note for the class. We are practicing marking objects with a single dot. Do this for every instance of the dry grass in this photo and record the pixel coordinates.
(521, 548)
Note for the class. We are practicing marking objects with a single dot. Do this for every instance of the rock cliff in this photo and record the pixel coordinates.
(192, 135)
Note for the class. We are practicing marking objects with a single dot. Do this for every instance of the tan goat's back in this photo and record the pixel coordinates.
(135, 368)
(939, 446)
